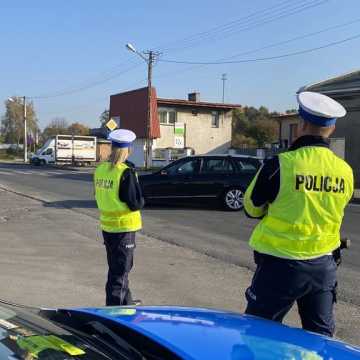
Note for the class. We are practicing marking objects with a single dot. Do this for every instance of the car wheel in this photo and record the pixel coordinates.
(42, 162)
(233, 199)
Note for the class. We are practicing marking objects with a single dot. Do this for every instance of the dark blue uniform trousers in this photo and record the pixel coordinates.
(278, 283)
(120, 254)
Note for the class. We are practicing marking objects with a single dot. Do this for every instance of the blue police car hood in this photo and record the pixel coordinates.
(206, 334)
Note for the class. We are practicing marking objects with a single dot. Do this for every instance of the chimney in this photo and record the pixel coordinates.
(194, 96)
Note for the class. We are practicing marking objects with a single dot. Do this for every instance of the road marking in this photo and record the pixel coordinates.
(20, 172)
(54, 172)
(42, 172)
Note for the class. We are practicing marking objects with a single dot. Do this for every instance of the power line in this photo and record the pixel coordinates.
(82, 88)
(227, 26)
(267, 21)
(85, 87)
(218, 28)
(263, 58)
(97, 100)
(300, 37)
(268, 15)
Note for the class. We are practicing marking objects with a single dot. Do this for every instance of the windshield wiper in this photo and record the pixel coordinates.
(86, 339)
(94, 329)
(103, 331)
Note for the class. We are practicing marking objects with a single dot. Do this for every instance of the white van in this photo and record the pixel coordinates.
(66, 149)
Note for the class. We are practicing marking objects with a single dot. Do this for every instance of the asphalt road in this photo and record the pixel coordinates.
(208, 230)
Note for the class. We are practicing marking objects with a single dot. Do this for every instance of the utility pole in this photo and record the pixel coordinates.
(223, 78)
(148, 145)
(149, 57)
(150, 60)
(25, 132)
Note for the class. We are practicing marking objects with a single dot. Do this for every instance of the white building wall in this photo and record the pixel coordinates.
(167, 137)
(138, 153)
(199, 133)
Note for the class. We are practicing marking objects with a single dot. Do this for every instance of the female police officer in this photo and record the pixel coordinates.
(119, 199)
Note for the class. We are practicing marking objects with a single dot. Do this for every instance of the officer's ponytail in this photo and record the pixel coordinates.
(118, 156)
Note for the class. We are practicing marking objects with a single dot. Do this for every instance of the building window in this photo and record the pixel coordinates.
(215, 116)
(167, 116)
(163, 117)
(171, 117)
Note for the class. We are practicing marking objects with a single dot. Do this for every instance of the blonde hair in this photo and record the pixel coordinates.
(118, 156)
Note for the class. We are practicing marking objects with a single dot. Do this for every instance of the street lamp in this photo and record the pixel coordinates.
(130, 47)
(149, 57)
(25, 130)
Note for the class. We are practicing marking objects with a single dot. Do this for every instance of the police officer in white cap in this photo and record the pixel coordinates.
(300, 196)
(119, 199)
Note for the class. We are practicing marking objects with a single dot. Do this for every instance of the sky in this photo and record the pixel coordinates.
(68, 57)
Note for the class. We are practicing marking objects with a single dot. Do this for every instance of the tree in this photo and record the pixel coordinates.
(12, 123)
(78, 129)
(241, 140)
(291, 111)
(57, 126)
(104, 117)
(253, 127)
(263, 131)
(240, 121)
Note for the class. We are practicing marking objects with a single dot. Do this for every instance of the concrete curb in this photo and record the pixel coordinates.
(69, 168)
(5, 188)
(13, 161)
(54, 166)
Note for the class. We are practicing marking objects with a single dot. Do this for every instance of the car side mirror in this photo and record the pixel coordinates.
(163, 172)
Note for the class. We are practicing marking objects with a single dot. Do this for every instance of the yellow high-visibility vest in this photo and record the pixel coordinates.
(304, 220)
(115, 215)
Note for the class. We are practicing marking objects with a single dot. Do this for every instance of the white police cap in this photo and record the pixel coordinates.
(122, 138)
(319, 109)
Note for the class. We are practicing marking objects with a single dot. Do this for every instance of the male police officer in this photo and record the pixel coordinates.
(300, 196)
(119, 199)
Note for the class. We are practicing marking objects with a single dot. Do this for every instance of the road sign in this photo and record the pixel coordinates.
(111, 124)
(179, 129)
(179, 142)
(179, 138)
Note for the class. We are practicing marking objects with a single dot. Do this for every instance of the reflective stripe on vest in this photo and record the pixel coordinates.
(304, 220)
(115, 216)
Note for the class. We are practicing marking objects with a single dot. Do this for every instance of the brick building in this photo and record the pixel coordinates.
(201, 127)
